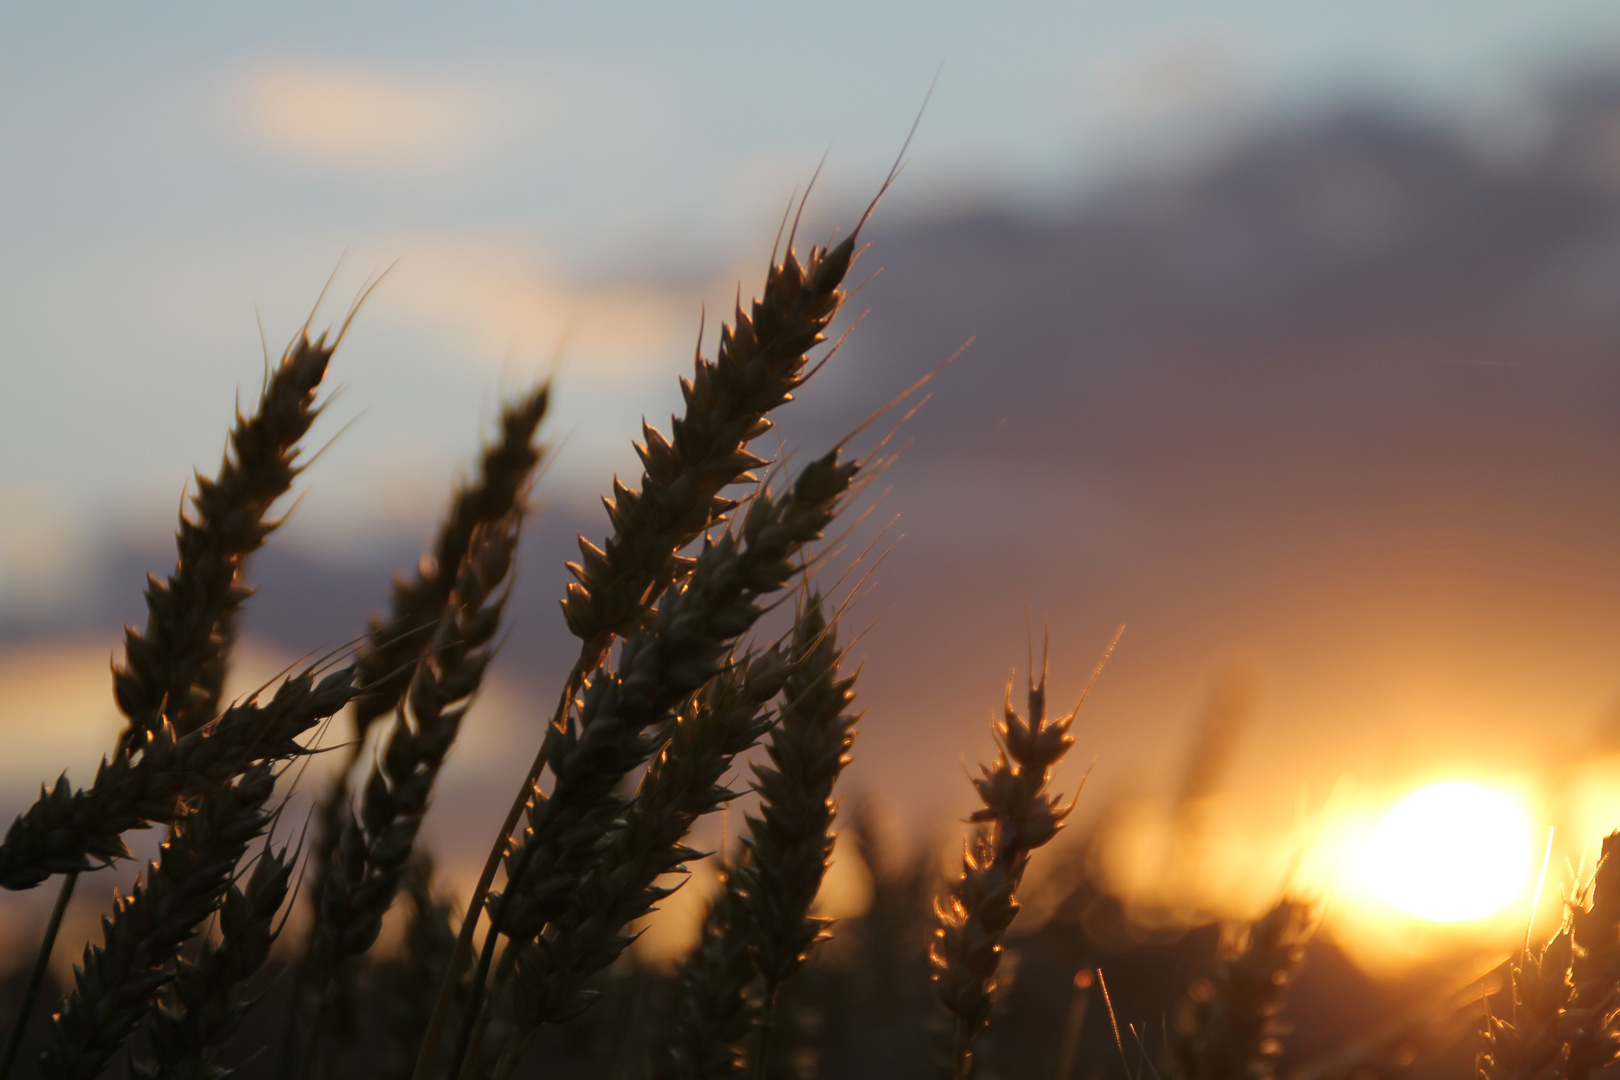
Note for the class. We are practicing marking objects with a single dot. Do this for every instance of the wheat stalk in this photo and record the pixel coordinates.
(1564, 1023)
(712, 1014)
(430, 939)
(681, 784)
(506, 468)
(659, 667)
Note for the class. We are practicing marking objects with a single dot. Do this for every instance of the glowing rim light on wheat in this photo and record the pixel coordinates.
(1449, 852)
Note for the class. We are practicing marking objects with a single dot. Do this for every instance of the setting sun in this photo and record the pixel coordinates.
(1449, 852)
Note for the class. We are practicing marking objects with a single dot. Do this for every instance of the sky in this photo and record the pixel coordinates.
(557, 181)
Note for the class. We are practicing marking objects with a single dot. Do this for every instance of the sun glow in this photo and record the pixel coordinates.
(1448, 853)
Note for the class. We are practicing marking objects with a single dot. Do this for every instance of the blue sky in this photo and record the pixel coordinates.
(547, 172)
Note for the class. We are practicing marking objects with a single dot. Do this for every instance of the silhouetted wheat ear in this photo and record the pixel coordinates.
(1019, 815)
(208, 996)
(372, 851)
(177, 666)
(388, 662)
(760, 362)
(116, 982)
(621, 711)
(681, 784)
(1233, 1029)
(68, 830)
(505, 470)
(712, 1014)
(791, 841)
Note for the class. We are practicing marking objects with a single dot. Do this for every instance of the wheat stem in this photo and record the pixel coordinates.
(36, 975)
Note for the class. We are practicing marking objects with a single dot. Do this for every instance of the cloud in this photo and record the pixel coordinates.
(497, 298)
(43, 553)
(349, 118)
(1180, 72)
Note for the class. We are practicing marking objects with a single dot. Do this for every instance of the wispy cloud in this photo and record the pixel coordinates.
(349, 117)
(497, 297)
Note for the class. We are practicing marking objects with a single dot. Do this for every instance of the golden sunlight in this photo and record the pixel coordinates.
(1448, 852)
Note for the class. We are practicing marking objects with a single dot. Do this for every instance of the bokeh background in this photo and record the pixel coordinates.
(1296, 350)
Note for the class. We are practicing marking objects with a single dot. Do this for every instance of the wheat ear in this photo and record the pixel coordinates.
(1020, 814)
(712, 1013)
(68, 830)
(791, 841)
(1594, 920)
(506, 468)
(1232, 1030)
(681, 784)
(115, 982)
(394, 645)
(1563, 1024)
(760, 362)
(207, 1003)
(177, 666)
(622, 710)
(372, 851)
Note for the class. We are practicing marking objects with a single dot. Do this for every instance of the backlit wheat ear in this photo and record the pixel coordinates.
(1565, 996)
(69, 830)
(208, 994)
(791, 841)
(1233, 1029)
(116, 981)
(178, 664)
(1594, 919)
(1019, 814)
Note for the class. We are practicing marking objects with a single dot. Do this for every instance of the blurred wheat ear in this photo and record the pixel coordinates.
(1019, 814)
(1232, 1029)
